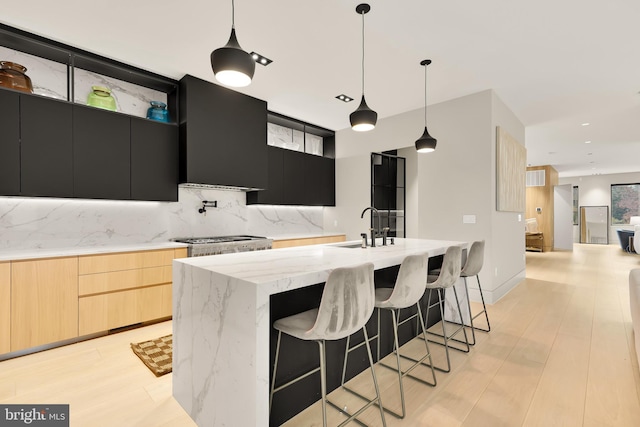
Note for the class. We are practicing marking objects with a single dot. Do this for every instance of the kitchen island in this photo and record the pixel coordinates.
(222, 322)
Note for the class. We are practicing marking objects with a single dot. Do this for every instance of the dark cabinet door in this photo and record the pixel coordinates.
(294, 191)
(101, 154)
(320, 181)
(272, 195)
(46, 146)
(9, 143)
(154, 160)
(224, 136)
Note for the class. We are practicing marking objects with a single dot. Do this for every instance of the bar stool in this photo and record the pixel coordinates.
(449, 274)
(471, 268)
(345, 307)
(407, 292)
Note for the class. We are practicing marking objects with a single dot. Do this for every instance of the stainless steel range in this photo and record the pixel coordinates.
(201, 246)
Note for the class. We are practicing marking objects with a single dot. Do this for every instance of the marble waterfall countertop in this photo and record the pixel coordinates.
(221, 320)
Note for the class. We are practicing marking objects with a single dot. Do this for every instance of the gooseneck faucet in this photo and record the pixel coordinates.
(375, 232)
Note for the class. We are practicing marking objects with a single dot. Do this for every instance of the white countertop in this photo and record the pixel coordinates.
(89, 250)
(290, 268)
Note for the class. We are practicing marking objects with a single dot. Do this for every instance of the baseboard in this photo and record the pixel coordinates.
(494, 295)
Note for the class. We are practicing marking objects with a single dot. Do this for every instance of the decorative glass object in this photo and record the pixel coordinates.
(13, 76)
(158, 111)
(100, 97)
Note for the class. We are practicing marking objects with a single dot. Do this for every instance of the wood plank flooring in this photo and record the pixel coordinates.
(560, 353)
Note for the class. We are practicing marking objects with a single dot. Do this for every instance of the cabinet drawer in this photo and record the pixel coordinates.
(124, 261)
(100, 313)
(120, 280)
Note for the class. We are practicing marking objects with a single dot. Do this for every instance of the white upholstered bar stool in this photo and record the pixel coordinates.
(471, 268)
(407, 292)
(449, 274)
(345, 307)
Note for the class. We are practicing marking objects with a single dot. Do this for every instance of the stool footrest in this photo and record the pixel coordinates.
(352, 417)
(295, 380)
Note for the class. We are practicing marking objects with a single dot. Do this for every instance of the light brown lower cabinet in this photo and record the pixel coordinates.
(5, 307)
(118, 290)
(44, 301)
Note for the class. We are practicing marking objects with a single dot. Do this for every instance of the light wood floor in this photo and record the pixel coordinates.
(560, 353)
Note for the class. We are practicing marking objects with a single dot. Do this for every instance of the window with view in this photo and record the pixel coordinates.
(625, 202)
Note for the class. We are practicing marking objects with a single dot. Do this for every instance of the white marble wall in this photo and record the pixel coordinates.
(43, 223)
(49, 78)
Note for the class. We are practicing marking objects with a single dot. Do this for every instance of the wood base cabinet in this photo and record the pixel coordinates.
(5, 307)
(44, 301)
(118, 290)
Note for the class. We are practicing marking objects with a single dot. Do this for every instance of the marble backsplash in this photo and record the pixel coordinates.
(47, 223)
(49, 78)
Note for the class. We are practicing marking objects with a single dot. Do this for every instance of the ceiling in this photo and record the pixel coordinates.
(555, 64)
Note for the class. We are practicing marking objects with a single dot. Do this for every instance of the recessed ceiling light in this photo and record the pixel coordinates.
(345, 98)
(260, 59)
(587, 142)
(588, 154)
(586, 124)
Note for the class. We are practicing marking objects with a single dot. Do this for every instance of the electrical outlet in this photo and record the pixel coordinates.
(519, 217)
(496, 272)
(335, 223)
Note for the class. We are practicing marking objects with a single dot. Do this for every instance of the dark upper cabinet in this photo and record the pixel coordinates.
(294, 186)
(154, 161)
(101, 154)
(223, 136)
(320, 181)
(296, 178)
(273, 194)
(46, 165)
(9, 143)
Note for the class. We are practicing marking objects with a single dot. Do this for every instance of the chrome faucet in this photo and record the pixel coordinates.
(376, 232)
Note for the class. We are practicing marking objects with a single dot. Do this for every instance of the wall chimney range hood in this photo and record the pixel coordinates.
(223, 137)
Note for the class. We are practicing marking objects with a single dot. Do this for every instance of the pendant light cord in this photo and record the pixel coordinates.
(425, 95)
(233, 14)
(362, 53)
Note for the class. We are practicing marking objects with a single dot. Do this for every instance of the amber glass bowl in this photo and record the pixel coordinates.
(13, 76)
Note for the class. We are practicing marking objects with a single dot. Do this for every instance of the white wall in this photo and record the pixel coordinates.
(563, 217)
(595, 190)
(457, 179)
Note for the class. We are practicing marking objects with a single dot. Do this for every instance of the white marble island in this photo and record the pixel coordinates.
(221, 321)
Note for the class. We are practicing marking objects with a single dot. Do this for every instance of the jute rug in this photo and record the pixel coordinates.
(156, 354)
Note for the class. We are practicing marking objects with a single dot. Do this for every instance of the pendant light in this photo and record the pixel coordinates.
(364, 118)
(426, 143)
(231, 65)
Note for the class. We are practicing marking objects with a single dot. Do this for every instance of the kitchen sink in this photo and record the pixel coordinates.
(349, 246)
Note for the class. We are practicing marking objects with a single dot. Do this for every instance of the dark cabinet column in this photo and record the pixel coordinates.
(101, 154)
(46, 147)
(9, 143)
(154, 161)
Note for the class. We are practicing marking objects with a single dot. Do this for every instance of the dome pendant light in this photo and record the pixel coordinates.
(231, 65)
(364, 118)
(426, 143)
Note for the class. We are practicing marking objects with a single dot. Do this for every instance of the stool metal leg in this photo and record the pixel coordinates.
(275, 368)
(484, 309)
(323, 381)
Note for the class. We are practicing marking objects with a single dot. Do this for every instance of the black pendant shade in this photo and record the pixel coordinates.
(231, 65)
(364, 118)
(426, 143)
